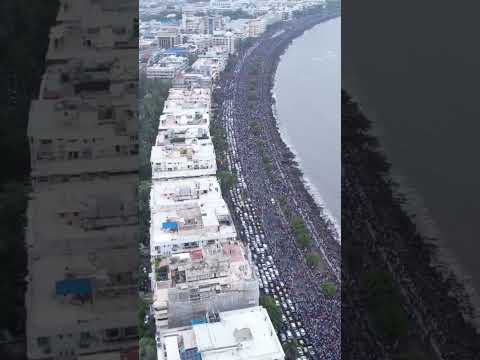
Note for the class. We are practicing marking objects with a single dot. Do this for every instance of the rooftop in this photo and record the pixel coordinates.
(201, 266)
(188, 210)
(238, 335)
(183, 153)
(81, 77)
(89, 215)
(74, 136)
(91, 288)
(74, 117)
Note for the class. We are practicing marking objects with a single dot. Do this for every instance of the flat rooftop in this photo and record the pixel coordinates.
(181, 118)
(186, 108)
(174, 192)
(238, 335)
(89, 215)
(91, 290)
(79, 77)
(183, 154)
(187, 98)
(109, 116)
(216, 267)
(72, 10)
(179, 135)
(190, 209)
(80, 36)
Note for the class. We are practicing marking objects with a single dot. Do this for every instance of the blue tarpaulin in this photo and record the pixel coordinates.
(177, 51)
(170, 225)
(190, 354)
(198, 321)
(73, 286)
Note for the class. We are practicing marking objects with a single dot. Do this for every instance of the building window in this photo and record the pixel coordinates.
(112, 333)
(131, 331)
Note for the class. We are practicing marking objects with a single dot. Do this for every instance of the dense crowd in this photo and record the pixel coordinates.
(255, 199)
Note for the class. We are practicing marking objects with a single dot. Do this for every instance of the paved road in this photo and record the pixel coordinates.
(255, 200)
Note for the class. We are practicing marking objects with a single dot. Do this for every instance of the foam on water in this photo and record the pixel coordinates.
(311, 188)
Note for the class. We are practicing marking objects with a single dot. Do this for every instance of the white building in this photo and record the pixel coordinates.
(83, 216)
(187, 214)
(87, 30)
(188, 285)
(192, 80)
(82, 230)
(183, 153)
(225, 39)
(167, 67)
(186, 107)
(81, 304)
(168, 38)
(212, 63)
(256, 27)
(77, 136)
(223, 5)
(237, 335)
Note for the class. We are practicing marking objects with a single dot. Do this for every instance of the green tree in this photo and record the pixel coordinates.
(152, 93)
(313, 259)
(329, 289)
(304, 240)
(148, 349)
(255, 128)
(144, 330)
(301, 232)
(290, 350)
(273, 310)
(227, 179)
(385, 306)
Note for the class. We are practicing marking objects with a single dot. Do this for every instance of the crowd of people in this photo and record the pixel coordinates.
(260, 189)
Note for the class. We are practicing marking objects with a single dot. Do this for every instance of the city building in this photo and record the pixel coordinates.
(82, 218)
(88, 305)
(234, 335)
(188, 285)
(186, 214)
(168, 38)
(225, 39)
(256, 27)
(167, 67)
(183, 153)
(212, 63)
(75, 136)
(223, 5)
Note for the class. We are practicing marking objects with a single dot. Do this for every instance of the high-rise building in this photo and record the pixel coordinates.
(83, 229)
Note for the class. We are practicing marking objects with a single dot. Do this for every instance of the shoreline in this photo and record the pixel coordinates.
(314, 192)
(316, 202)
(309, 186)
(395, 241)
(444, 259)
(271, 181)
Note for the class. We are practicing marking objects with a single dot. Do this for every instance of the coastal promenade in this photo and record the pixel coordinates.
(270, 181)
